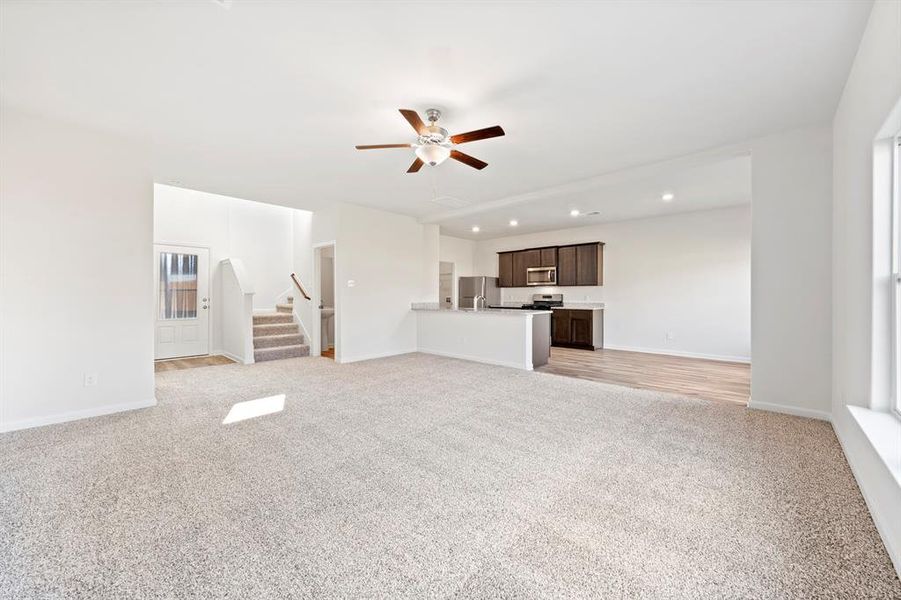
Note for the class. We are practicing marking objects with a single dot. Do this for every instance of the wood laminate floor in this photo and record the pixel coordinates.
(697, 377)
(176, 364)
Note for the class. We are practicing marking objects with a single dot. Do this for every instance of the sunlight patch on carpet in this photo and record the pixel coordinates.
(249, 409)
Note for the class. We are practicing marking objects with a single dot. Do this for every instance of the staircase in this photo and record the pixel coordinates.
(277, 336)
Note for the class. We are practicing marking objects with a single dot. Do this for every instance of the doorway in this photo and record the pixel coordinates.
(182, 299)
(446, 284)
(324, 302)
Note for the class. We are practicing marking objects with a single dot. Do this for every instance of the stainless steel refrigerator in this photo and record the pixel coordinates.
(472, 287)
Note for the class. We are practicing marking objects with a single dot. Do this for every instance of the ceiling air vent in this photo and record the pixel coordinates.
(224, 3)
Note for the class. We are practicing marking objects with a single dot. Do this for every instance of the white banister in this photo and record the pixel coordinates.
(237, 311)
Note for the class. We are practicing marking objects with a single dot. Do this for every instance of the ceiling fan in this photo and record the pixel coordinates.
(435, 145)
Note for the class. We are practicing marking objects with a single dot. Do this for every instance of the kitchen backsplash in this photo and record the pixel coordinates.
(570, 294)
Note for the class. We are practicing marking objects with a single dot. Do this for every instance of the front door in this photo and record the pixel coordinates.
(182, 276)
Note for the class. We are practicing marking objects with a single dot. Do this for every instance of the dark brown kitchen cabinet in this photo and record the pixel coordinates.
(519, 269)
(560, 327)
(581, 264)
(577, 264)
(532, 258)
(577, 328)
(548, 257)
(505, 269)
(580, 322)
(566, 265)
(588, 270)
(524, 260)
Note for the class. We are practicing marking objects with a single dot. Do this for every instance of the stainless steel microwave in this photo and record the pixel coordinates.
(541, 276)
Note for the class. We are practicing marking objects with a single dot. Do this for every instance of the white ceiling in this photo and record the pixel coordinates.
(265, 100)
(716, 183)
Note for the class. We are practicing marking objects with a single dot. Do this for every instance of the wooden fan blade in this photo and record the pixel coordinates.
(417, 164)
(466, 159)
(378, 146)
(478, 134)
(413, 119)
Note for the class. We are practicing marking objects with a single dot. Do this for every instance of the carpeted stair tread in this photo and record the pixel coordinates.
(275, 329)
(284, 308)
(264, 354)
(275, 341)
(276, 317)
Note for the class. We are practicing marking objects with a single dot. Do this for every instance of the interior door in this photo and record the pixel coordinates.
(182, 291)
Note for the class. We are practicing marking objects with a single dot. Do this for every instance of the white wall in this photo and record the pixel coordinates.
(261, 235)
(386, 256)
(303, 267)
(791, 275)
(689, 274)
(76, 223)
(460, 252)
(872, 91)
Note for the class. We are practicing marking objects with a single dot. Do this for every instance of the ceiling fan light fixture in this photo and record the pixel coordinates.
(433, 154)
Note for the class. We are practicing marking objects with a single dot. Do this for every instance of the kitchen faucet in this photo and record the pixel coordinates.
(475, 302)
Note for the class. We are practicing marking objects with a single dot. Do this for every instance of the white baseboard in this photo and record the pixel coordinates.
(881, 490)
(373, 356)
(790, 410)
(499, 363)
(75, 415)
(669, 352)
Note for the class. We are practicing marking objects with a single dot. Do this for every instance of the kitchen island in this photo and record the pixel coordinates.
(512, 338)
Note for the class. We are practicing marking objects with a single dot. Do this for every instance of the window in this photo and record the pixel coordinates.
(178, 286)
(896, 275)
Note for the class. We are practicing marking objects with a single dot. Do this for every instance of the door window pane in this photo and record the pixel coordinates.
(178, 286)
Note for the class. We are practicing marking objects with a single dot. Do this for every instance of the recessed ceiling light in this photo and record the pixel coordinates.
(475, 229)
(513, 222)
(668, 197)
(574, 212)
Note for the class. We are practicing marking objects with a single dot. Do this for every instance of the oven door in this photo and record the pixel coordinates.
(541, 276)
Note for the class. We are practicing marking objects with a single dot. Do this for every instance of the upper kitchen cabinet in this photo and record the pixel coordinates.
(548, 257)
(581, 264)
(566, 265)
(578, 264)
(505, 269)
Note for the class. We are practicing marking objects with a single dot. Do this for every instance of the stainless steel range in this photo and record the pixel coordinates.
(539, 302)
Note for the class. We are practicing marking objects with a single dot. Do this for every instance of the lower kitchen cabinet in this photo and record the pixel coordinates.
(577, 328)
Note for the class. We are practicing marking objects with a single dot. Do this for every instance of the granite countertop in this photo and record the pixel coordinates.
(566, 305)
(430, 307)
(582, 306)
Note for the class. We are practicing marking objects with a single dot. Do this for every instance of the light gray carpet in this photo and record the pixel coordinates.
(424, 477)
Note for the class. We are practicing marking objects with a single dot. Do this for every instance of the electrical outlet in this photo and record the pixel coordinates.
(351, 283)
(670, 336)
(90, 379)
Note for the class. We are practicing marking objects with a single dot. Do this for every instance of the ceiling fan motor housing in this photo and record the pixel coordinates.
(433, 135)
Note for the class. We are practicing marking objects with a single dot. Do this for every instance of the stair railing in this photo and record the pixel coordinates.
(296, 281)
